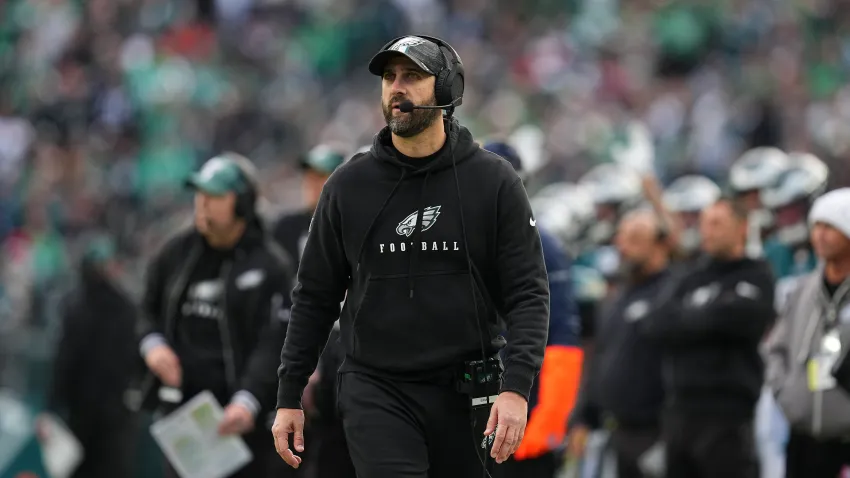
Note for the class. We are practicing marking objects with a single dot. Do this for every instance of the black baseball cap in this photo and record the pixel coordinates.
(423, 52)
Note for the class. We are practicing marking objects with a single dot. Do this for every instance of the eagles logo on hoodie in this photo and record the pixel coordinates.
(408, 225)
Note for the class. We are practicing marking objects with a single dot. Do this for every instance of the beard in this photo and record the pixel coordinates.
(407, 125)
(633, 269)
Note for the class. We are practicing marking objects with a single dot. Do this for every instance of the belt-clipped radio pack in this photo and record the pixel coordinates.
(481, 380)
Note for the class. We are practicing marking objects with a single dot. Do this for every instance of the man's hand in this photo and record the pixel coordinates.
(163, 362)
(238, 420)
(289, 421)
(507, 418)
(577, 441)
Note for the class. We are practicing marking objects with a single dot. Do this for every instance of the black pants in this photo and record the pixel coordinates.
(409, 430)
(543, 466)
(708, 447)
(810, 458)
(331, 452)
(109, 448)
(629, 445)
(261, 444)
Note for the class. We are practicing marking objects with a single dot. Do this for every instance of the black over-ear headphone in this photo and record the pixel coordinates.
(448, 85)
(246, 201)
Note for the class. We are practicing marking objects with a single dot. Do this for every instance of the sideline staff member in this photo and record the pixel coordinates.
(611, 396)
(710, 324)
(214, 308)
(291, 229)
(431, 237)
(807, 346)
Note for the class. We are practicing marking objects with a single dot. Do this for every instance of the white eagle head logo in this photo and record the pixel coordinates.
(405, 43)
(408, 224)
(206, 290)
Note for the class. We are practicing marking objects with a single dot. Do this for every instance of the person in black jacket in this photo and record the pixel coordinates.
(94, 364)
(432, 239)
(330, 453)
(622, 384)
(710, 323)
(215, 309)
(290, 231)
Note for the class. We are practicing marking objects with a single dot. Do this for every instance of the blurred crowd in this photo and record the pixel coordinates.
(106, 106)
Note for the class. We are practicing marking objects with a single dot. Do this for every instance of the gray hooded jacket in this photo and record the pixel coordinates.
(807, 317)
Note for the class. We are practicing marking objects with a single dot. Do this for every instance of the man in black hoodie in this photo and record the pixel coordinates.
(433, 240)
(215, 309)
(710, 323)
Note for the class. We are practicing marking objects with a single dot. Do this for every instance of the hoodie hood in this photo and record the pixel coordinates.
(460, 146)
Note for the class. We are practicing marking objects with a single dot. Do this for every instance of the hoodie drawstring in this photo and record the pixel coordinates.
(414, 254)
(375, 219)
(482, 328)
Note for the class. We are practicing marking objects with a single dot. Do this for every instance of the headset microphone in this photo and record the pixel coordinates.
(407, 106)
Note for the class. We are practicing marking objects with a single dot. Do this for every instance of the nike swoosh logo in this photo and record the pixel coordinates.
(532, 221)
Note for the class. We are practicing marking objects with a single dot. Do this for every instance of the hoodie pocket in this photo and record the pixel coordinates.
(434, 328)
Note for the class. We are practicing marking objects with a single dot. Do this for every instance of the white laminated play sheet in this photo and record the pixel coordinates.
(189, 439)
(61, 452)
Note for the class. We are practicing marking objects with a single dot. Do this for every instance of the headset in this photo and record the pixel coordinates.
(246, 201)
(449, 82)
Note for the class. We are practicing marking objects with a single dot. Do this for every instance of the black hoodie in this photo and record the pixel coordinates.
(409, 306)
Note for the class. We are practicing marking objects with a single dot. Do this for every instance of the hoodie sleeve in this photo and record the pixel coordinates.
(524, 289)
(323, 277)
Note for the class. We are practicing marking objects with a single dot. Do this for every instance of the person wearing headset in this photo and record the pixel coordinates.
(215, 309)
(430, 240)
(328, 448)
(290, 231)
